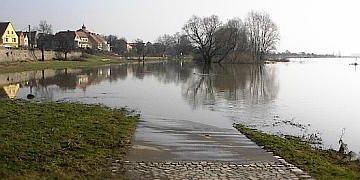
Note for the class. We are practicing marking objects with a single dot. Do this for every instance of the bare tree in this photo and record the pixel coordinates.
(65, 42)
(168, 43)
(230, 38)
(117, 45)
(121, 46)
(45, 38)
(263, 34)
(183, 46)
(241, 36)
(159, 49)
(44, 27)
(111, 39)
(201, 32)
(175, 45)
(140, 48)
(149, 49)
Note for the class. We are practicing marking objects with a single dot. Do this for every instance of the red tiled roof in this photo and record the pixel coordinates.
(82, 34)
(94, 38)
(101, 39)
(84, 30)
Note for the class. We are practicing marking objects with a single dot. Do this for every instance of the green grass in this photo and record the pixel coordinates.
(89, 61)
(57, 64)
(321, 164)
(61, 140)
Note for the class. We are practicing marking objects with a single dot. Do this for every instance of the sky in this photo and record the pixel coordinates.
(321, 26)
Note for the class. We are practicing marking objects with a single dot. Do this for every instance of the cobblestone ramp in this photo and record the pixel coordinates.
(213, 170)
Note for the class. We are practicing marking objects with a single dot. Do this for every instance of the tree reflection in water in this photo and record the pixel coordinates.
(200, 85)
(250, 84)
(199, 89)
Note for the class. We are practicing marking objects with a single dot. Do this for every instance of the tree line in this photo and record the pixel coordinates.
(207, 39)
(173, 46)
(210, 40)
(216, 41)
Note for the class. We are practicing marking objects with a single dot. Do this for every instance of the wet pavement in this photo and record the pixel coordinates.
(179, 149)
(180, 140)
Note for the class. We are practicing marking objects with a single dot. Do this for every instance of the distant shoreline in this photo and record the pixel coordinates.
(308, 57)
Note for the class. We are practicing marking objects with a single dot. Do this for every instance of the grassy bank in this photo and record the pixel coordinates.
(321, 164)
(89, 61)
(61, 140)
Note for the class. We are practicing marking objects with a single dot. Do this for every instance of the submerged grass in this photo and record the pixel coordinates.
(61, 140)
(321, 164)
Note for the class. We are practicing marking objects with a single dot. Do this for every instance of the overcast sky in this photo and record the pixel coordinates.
(320, 26)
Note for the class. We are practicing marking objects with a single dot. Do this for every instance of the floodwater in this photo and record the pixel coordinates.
(318, 97)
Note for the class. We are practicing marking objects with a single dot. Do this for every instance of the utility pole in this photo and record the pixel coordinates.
(30, 37)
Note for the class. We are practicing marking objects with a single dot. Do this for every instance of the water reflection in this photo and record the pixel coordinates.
(164, 72)
(10, 91)
(261, 95)
(252, 84)
(201, 85)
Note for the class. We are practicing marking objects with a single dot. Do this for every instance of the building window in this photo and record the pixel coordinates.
(8, 32)
(12, 32)
(14, 39)
(7, 39)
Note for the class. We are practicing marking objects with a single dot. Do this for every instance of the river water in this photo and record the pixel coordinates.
(318, 97)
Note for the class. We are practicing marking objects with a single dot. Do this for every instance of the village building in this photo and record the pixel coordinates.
(92, 40)
(132, 45)
(105, 45)
(8, 36)
(23, 39)
(95, 42)
(32, 38)
(129, 46)
(84, 39)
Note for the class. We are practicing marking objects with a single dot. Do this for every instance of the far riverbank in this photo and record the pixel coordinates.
(88, 61)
